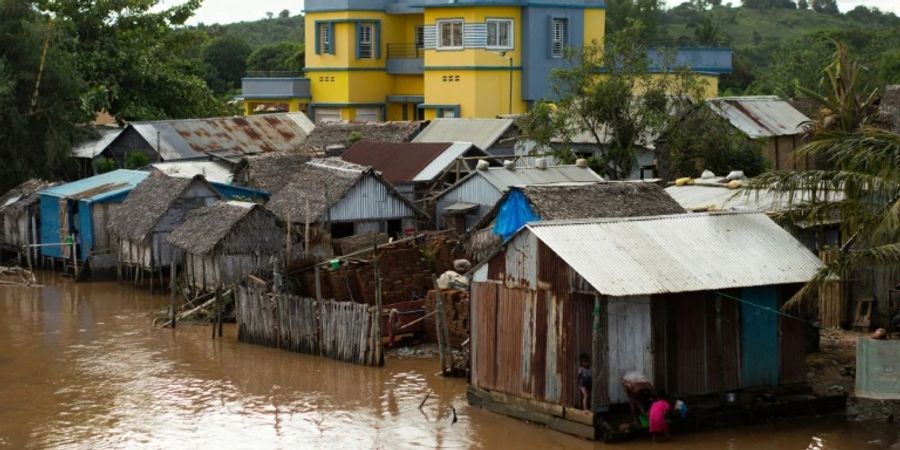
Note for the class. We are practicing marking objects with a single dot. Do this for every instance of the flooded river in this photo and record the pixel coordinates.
(81, 367)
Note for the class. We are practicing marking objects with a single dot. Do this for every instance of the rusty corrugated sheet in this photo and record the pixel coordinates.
(695, 365)
(539, 350)
(727, 345)
(483, 322)
(496, 266)
(509, 342)
(690, 344)
(761, 116)
(793, 351)
(580, 325)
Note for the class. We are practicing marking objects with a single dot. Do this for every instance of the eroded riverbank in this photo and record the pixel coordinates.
(81, 367)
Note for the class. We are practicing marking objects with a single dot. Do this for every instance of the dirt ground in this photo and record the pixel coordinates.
(832, 370)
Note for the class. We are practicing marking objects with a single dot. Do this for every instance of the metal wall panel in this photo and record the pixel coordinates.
(483, 323)
(793, 351)
(509, 342)
(759, 336)
(370, 199)
(629, 342)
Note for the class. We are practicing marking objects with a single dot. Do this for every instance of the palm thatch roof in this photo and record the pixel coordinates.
(22, 196)
(344, 134)
(568, 201)
(320, 180)
(147, 203)
(269, 171)
(207, 228)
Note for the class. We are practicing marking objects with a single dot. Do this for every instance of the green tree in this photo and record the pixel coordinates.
(647, 12)
(825, 6)
(283, 56)
(284, 14)
(40, 100)
(703, 140)
(226, 57)
(858, 181)
(620, 108)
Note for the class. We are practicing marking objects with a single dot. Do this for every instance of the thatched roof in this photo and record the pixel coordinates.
(567, 201)
(206, 228)
(320, 178)
(270, 171)
(344, 134)
(313, 182)
(147, 203)
(22, 196)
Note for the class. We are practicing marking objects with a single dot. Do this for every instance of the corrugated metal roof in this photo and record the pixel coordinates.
(446, 158)
(397, 162)
(679, 253)
(760, 116)
(483, 133)
(186, 139)
(503, 178)
(701, 197)
(213, 171)
(93, 147)
(107, 184)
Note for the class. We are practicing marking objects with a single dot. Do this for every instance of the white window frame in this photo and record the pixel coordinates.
(558, 38)
(366, 40)
(324, 34)
(498, 23)
(440, 32)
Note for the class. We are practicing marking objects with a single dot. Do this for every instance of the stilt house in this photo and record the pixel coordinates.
(20, 215)
(81, 211)
(157, 206)
(227, 241)
(337, 199)
(689, 300)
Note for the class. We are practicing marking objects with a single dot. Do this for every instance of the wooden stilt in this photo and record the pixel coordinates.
(172, 270)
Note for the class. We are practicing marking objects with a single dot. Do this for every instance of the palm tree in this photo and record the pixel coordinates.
(857, 182)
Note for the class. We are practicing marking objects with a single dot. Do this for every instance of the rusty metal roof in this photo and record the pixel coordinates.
(408, 162)
(760, 116)
(679, 253)
(251, 135)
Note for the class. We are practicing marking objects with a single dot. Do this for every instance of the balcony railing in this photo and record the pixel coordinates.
(405, 59)
(405, 51)
(271, 87)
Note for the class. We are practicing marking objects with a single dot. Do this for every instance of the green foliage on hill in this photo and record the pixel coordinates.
(261, 32)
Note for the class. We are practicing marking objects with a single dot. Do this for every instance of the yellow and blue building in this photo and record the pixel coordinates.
(424, 59)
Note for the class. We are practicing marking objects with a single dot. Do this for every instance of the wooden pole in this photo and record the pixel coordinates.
(379, 342)
(318, 283)
(221, 312)
(596, 343)
(443, 335)
(172, 271)
(306, 230)
(721, 345)
(75, 257)
(288, 239)
(215, 314)
(28, 257)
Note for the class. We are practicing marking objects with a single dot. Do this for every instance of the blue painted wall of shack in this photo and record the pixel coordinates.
(759, 336)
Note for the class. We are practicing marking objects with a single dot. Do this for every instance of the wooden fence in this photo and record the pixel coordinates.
(337, 330)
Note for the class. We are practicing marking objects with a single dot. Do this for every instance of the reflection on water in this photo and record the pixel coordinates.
(81, 367)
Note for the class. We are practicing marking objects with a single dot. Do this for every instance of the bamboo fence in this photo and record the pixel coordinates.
(338, 330)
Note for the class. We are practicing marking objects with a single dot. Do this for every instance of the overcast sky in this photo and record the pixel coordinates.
(226, 11)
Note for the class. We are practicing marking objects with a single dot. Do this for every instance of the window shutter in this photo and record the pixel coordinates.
(358, 40)
(330, 49)
(474, 35)
(376, 40)
(429, 37)
(318, 39)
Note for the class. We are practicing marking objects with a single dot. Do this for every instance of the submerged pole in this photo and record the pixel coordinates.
(172, 271)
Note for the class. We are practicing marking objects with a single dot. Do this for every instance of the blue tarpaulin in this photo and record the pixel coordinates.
(514, 213)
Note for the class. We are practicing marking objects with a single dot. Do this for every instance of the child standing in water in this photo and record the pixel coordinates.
(658, 426)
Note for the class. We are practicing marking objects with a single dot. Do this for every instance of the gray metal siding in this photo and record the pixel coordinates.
(474, 189)
(368, 200)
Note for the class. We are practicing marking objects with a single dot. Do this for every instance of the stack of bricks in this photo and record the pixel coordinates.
(456, 308)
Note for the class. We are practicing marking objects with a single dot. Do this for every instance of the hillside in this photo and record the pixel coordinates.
(260, 32)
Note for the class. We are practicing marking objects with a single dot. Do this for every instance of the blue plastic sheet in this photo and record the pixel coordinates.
(514, 213)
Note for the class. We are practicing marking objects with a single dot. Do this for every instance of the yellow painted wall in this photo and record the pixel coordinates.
(594, 26)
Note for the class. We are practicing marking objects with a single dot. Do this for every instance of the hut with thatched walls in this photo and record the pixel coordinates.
(566, 201)
(20, 215)
(334, 199)
(225, 242)
(155, 208)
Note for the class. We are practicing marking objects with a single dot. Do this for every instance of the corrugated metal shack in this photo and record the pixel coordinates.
(20, 218)
(463, 205)
(640, 294)
(174, 140)
(81, 211)
(770, 118)
(337, 199)
(142, 224)
(417, 170)
(227, 241)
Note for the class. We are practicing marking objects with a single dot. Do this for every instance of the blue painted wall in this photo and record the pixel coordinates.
(759, 336)
(536, 61)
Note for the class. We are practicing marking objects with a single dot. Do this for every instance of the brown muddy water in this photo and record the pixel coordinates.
(81, 367)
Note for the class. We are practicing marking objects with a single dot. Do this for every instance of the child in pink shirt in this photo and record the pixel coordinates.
(658, 425)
